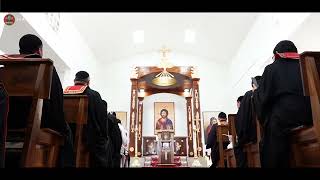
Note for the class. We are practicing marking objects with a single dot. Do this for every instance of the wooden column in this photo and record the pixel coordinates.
(133, 116)
(140, 118)
(197, 113)
(190, 126)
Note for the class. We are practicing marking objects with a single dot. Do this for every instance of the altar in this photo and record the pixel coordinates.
(166, 146)
(180, 81)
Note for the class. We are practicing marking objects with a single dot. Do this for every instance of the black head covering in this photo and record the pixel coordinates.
(82, 76)
(285, 46)
(29, 43)
(222, 115)
(257, 78)
(240, 98)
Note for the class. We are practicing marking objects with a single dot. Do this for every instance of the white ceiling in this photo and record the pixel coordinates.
(217, 35)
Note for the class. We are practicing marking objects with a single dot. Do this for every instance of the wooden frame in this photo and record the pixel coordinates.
(183, 141)
(222, 129)
(122, 115)
(32, 77)
(76, 112)
(230, 155)
(206, 116)
(305, 141)
(141, 78)
(146, 140)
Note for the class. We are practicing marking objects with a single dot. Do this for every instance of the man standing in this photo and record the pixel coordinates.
(281, 105)
(212, 140)
(52, 112)
(95, 133)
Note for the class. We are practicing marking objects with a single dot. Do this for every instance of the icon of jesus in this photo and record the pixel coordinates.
(164, 123)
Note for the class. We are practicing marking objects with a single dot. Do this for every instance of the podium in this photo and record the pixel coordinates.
(166, 146)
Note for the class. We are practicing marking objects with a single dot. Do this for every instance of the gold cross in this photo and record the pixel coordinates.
(164, 51)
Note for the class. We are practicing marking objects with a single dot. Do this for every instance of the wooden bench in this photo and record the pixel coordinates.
(252, 149)
(222, 129)
(230, 155)
(305, 141)
(27, 77)
(76, 113)
(4, 108)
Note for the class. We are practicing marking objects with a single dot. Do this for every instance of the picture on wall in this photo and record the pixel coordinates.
(149, 146)
(180, 146)
(122, 115)
(164, 116)
(207, 122)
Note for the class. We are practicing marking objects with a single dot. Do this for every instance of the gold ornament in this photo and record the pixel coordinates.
(131, 149)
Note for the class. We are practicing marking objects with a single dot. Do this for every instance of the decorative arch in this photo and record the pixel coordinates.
(142, 86)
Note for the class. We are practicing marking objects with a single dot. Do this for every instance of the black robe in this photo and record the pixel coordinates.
(280, 106)
(52, 116)
(4, 108)
(116, 139)
(245, 122)
(213, 144)
(96, 130)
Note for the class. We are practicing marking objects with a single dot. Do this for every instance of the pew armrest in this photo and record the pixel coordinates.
(49, 136)
(303, 135)
(50, 131)
(299, 128)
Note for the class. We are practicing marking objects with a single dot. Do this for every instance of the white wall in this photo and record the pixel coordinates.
(256, 50)
(307, 37)
(180, 113)
(68, 44)
(10, 36)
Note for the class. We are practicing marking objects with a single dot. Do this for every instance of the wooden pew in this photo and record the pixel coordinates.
(32, 78)
(252, 149)
(305, 141)
(76, 113)
(4, 108)
(231, 159)
(222, 129)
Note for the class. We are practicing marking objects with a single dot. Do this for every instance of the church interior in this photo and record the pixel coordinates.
(160, 90)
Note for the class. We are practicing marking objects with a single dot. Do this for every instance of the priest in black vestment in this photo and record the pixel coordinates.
(241, 157)
(52, 112)
(95, 132)
(245, 125)
(116, 138)
(281, 105)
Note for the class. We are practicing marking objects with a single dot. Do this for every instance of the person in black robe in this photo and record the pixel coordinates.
(239, 101)
(95, 132)
(281, 105)
(116, 138)
(245, 120)
(4, 109)
(241, 157)
(52, 111)
(212, 142)
(245, 125)
(110, 162)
